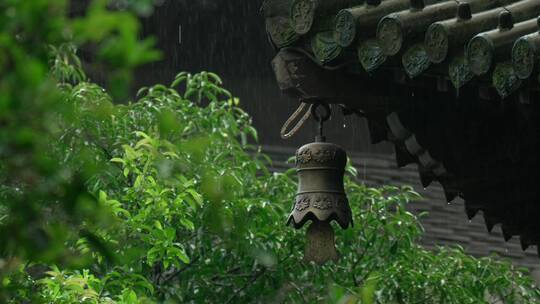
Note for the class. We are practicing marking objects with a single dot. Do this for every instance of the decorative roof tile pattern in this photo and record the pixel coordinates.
(420, 33)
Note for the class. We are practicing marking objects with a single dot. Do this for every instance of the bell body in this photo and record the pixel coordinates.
(321, 194)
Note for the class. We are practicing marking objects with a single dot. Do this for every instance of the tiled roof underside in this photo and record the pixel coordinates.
(488, 41)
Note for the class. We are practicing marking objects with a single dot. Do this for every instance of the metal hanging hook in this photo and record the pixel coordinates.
(311, 110)
(321, 118)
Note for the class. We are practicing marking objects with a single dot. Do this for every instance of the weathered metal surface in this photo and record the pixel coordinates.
(320, 196)
(320, 244)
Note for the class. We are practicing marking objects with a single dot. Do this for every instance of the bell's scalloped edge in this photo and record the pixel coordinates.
(341, 216)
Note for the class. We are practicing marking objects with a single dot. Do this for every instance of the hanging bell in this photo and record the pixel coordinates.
(320, 197)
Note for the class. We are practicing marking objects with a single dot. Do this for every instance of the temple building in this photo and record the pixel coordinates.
(451, 84)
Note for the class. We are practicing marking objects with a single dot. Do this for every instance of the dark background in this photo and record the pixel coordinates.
(229, 38)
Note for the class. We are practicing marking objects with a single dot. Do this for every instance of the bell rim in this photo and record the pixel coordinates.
(344, 219)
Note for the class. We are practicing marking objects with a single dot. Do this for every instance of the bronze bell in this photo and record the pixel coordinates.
(320, 197)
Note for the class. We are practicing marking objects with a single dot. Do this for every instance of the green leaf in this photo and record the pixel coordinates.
(138, 181)
(187, 223)
(198, 198)
(118, 160)
(129, 297)
(181, 254)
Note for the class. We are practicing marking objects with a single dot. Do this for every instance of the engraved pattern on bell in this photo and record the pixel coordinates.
(302, 203)
(303, 156)
(324, 155)
(323, 202)
(320, 154)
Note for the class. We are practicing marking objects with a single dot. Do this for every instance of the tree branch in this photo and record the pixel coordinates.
(179, 271)
(256, 275)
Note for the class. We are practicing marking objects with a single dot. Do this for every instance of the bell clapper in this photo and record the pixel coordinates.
(320, 244)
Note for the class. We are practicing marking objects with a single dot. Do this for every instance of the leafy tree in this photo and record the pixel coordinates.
(33, 188)
(163, 199)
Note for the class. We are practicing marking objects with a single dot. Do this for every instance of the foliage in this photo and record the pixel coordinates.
(187, 211)
(38, 197)
(164, 200)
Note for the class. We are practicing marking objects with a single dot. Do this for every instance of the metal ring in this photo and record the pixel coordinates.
(301, 121)
(326, 115)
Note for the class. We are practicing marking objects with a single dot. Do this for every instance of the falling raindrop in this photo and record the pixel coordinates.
(365, 172)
